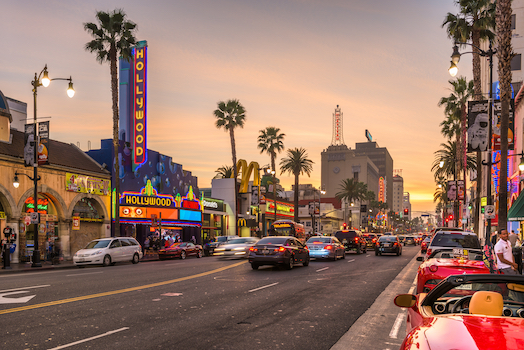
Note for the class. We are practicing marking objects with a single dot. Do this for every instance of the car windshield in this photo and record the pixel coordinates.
(241, 240)
(388, 239)
(222, 239)
(468, 254)
(273, 240)
(98, 244)
(319, 240)
(455, 240)
(510, 291)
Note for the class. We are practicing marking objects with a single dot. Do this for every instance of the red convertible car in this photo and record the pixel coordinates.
(445, 262)
(180, 250)
(467, 312)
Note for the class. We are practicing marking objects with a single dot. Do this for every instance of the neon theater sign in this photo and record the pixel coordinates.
(140, 104)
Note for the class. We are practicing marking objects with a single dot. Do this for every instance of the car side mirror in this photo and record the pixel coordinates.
(405, 300)
(420, 258)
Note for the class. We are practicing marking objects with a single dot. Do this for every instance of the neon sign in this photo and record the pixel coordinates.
(139, 105)
(42, 205)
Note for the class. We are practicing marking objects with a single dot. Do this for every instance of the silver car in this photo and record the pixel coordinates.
(236, 248)
(326, 248)
(107, 251)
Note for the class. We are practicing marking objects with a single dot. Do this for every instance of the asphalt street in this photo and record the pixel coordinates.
(206, 303)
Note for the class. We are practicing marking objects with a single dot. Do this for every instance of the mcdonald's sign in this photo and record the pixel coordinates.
(246, 171)
(241, 222)
(246, 222)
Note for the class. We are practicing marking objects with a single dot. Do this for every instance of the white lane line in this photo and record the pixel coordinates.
(269, 285)
(368, 256)
(325, 268)
(12, 290)
(83, 274)
(351, 260)
(92, 338)
(396, 326)
(411, 290)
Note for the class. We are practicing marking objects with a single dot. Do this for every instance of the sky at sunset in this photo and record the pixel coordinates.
(288, 62)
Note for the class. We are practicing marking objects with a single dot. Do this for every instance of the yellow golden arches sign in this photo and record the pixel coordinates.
(241, 222)
(246, 171)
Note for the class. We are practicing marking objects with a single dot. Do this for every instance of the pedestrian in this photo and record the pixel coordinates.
(513, 238)
(504, 253)
(494, 236)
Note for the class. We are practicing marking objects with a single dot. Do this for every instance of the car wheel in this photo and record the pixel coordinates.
(343, 254)
(182, 255)
(136, 259)
(254, 266)
(335, 255)
(376, 253)
(398, 252)
(365, 249)
(290, 262)
(306, 262)
(106, 261)
(358, 250)
(199, 254)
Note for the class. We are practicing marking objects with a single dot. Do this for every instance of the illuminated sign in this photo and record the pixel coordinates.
(140, 104)
(87, 184)
(41, 205)
(281, 225)
(190, 215)
(145, 201)
(381, 190)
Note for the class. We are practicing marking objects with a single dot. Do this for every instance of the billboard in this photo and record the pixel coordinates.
(478, 126)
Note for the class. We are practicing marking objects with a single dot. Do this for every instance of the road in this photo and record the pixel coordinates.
(206, 303)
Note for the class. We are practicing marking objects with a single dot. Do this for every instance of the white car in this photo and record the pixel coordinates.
(236, 248)
(107, 251)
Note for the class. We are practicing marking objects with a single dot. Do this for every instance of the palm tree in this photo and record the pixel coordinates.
(351, 190)
(113, 37)
(229, 116)
(296, 163)
(270, 141)
(224, 172)
(505, 54)
(476, 21)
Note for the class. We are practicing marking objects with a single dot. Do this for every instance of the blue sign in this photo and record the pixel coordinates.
(496, 90)
(189, 215)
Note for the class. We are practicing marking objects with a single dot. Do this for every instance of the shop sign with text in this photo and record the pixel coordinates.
(88, 184)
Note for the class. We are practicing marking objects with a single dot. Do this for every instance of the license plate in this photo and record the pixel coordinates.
(81, 259)
(265, 251)
(386, 245)
(315, 248)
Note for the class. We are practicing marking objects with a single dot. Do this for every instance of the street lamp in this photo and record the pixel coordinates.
(455, 58)
(41, 79)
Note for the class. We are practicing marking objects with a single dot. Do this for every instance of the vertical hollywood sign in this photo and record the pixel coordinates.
(381, 190)
(140, 115)
(337, 116)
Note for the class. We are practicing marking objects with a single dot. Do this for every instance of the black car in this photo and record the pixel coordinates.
(352, 240)
(371, 239)
(278, 250)
(388, 244)
(410, 240)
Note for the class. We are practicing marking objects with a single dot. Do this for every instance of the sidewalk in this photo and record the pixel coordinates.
(65, 264)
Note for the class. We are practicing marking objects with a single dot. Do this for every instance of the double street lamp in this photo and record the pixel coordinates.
(41, 79)
(453, 70)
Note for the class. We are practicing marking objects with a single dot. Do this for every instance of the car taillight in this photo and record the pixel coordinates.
(328, 247)
(394, 244)
(428, 252)
(433, 268)
(374, 240)
(356, 239)
(281, 249)
(253, 249)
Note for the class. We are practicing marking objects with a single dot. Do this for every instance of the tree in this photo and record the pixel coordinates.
(351, 190)
(229, 116)
(224, 172)
(475, 21)
(270, 141)
(296, 163)
(113, 37)
(505, 55)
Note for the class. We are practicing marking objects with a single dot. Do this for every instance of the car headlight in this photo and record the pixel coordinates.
(239, 248)
(97, 252)
(219, 249)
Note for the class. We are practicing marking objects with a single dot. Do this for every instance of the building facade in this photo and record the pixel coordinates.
(398, 193)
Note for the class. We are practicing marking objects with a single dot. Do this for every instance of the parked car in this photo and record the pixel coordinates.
(326, 248)
(388, 244)
(209, 248)
(352, 240)
(371, 239)
(108, 251)
(410, 240)
(236, 248)
(471, 311)
(445, 262)
(453, 239)
(278, 250)
(181, 250)
(401, 238)
(424, 245)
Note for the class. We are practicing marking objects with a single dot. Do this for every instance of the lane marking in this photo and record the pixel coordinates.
(325, 268)
(269, 285)
(12, 290)
(120, 291)
(83, 274)
(411, 290)
(396, 326)
(92, 338)
(351, 260)
(4, 300)
(368, 256)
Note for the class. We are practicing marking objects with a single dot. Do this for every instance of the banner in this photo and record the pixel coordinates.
(254, 195)
(29, 151)
(87, 184)
(478, 126)
(452, 190)
(76, 223)
(496, 125)
(460, 190)
(43, 146)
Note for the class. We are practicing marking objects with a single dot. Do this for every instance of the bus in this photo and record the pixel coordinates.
(288, 228)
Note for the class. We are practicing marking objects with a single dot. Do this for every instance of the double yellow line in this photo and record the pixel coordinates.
(104, 294)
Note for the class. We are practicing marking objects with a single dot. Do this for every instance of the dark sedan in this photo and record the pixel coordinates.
(388, 244)
(180, 250)
(278, 250)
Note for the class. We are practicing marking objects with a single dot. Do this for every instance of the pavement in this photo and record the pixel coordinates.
(47, 265)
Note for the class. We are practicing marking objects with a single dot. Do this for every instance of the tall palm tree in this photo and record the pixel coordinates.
(351, 190)
(505, 55)
(113, 37)
(476, 21)
(296, 163)
(224, 172)
(271, 141)
(230, 115)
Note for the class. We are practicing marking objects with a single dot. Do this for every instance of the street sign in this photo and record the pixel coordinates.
(489, 212)
(35, 218)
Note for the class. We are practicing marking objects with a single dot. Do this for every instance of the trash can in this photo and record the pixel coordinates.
(517, 256)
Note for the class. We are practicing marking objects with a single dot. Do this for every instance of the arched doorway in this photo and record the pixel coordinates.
(88, 218)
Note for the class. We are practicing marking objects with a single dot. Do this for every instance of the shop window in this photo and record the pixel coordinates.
(308, 224)
(516, 62)
(86, 210)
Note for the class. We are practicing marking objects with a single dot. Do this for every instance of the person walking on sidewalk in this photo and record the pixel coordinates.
(513, 238)
(504, 254)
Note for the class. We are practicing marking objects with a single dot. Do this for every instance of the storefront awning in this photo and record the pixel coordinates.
(516, 212)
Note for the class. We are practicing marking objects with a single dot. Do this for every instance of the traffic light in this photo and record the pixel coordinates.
(344, 226)
(450, 217)
(406, 212)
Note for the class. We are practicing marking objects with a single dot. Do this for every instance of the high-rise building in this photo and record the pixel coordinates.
(406, 205)
(398, 193)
